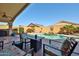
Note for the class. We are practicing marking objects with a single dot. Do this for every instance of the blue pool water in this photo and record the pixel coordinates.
(52, 36)
(48, 36)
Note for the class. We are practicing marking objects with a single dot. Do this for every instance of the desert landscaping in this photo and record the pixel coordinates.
(62, 27)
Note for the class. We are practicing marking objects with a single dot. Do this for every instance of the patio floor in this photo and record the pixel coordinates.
(44, 41)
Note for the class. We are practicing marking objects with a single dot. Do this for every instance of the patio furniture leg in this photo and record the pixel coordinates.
(43, 49)
(25, 43)
(32, 52)
(2, 44)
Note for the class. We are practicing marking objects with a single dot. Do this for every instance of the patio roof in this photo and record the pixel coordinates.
(9, 11)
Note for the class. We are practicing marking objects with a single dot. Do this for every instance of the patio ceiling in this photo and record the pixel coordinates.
(9, 11)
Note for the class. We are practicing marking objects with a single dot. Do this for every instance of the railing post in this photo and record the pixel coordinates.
(33, 52)
(49, 41)
(43, 49)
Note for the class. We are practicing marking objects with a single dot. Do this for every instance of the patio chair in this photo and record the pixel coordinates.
(23, 41)
(20, 45)
(23, 44)
(12, 50)
(23, 37)
(62, 51)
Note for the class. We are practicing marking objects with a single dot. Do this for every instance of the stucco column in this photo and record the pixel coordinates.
(10, 27)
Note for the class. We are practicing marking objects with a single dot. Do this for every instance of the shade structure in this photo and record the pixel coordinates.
(9, 11)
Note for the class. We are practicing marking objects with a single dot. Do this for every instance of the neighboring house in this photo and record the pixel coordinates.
(39, 28)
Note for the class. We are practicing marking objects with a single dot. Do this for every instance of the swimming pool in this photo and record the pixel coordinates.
(53, 36)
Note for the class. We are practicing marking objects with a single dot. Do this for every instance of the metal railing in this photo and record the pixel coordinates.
(44, 45)
(69, 53)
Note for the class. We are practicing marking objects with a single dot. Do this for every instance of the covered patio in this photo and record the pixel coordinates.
(8, 13)
(39, 45)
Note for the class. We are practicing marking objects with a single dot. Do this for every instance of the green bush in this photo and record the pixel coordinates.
(21, 30)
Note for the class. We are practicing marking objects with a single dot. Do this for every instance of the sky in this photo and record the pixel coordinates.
(48, 14)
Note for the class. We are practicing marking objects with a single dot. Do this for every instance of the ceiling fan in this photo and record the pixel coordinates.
(4, 15)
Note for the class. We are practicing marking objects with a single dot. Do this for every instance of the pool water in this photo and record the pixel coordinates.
(52, 36)
(49, 36)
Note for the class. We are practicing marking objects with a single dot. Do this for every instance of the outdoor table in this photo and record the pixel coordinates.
(35, 42)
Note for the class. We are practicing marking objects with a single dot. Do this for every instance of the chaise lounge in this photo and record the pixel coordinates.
(60, 51)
